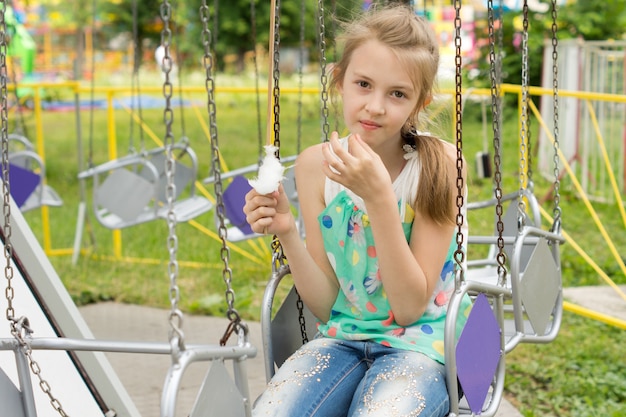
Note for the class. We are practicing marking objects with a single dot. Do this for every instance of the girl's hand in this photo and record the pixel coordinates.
(358, 168)
(269, 213)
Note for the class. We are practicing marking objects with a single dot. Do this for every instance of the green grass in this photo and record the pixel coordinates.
(579, 374)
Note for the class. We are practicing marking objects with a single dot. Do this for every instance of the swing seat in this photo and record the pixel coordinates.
(475, 359)
(534, 307)
(28, 175)
(134, 189)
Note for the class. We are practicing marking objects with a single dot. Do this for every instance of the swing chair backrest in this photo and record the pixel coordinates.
(531, 260)
(510, 229)
(17, 144)
(184, 174)
(132, 190)
(282, 331)
(28, 173)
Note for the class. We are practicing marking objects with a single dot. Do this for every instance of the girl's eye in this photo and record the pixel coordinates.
(363, 84)
(398, 94)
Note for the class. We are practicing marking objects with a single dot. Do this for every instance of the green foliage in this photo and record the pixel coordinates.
(233, 29)
(581, 373)
(512, 48)
(593, 20)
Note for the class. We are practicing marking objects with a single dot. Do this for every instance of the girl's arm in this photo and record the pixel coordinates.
(312, 273)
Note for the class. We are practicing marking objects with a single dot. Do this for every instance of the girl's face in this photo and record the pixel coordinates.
(378, 95)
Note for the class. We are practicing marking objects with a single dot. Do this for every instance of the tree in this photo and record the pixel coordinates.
(118, 17)
(585, 19)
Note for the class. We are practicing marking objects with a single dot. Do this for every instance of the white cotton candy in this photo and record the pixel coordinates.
(270, 173)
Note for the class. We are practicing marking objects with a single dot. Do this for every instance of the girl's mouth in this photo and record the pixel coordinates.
(369, 125)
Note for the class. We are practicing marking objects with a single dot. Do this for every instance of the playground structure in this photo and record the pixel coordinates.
(594, 124)
(228, 401)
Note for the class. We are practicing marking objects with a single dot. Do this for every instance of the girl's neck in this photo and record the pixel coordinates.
(392, 156)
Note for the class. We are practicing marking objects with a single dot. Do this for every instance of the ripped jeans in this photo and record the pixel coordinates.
(333, 378)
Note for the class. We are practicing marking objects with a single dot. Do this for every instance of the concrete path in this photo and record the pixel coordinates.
(603, 300)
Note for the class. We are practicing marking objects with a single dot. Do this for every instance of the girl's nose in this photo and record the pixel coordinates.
(375, 105)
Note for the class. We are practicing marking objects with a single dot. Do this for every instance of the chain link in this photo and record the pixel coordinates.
(496, 100)
(6, 186)
(555, 95)
(323, 75)
(276, 78)
(524, 120)
(276, 246)
(20, 328)
(459, 254)
(227, 273)
(177, 337)
(301, 319)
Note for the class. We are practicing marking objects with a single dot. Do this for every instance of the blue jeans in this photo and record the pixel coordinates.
(332, 378)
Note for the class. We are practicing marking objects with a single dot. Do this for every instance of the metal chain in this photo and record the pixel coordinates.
(555, 95)
(524, 119)
(276, 77)
(227, 273)
(494, 74)
(301, 319)
(459, 254)
(20, 328)
(276, 246)
(323, 76)
(177, 338)
(6, 186)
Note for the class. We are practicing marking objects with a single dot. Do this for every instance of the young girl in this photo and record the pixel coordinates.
(379, 211)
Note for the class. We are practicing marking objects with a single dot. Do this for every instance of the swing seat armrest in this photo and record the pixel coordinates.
(31, 156)
(24, 143)
(477, 205)
(266, 317)
(249, 169)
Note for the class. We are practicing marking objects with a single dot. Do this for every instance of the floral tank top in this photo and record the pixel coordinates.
(361, 310)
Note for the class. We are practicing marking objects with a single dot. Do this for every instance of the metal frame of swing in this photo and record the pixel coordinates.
(24, 156)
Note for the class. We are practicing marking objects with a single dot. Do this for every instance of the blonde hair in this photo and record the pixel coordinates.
(414, 43)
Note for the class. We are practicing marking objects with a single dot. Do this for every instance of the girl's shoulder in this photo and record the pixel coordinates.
(311, 155)
(308, 168)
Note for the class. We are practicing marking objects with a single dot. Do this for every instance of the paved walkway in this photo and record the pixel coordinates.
(143, 375)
